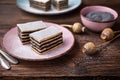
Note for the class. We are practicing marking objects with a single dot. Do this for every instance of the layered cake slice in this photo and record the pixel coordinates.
(25, 29)
(47, 39)
(41, 4)
(60, 4)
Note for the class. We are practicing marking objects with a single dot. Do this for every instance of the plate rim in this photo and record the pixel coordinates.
(45, 59)
(45, 13)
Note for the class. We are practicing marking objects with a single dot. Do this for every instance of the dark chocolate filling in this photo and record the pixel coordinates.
(47, 41)
(46, 49)
(24, 40)
(47, 44)
(23, 37)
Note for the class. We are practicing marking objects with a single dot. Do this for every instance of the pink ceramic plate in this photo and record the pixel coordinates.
(14, 47)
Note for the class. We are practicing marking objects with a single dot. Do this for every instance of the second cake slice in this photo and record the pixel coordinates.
(25, 29)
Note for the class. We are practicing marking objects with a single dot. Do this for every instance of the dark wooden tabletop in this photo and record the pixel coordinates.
(73, 64)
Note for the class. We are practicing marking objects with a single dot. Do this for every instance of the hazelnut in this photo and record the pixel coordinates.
(77, 27)
(89, 48)
(107, 34)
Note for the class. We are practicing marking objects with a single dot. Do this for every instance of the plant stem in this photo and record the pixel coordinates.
(104, 45)
(66, 25)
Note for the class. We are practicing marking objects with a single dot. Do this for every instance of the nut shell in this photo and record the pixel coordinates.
(107, 34)
(89, 48)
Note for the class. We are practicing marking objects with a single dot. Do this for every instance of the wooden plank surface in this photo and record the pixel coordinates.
(75, 63)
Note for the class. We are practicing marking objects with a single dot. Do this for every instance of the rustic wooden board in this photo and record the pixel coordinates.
(106, 63)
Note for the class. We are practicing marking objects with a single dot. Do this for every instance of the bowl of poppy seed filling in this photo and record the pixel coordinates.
(97, 18)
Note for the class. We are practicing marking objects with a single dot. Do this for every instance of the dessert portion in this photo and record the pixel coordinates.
(41, 4)
(100, 16)
(47, 39)
(60, 4)
(25, 29)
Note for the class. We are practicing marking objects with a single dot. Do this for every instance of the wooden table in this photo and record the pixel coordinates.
(75, 63)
